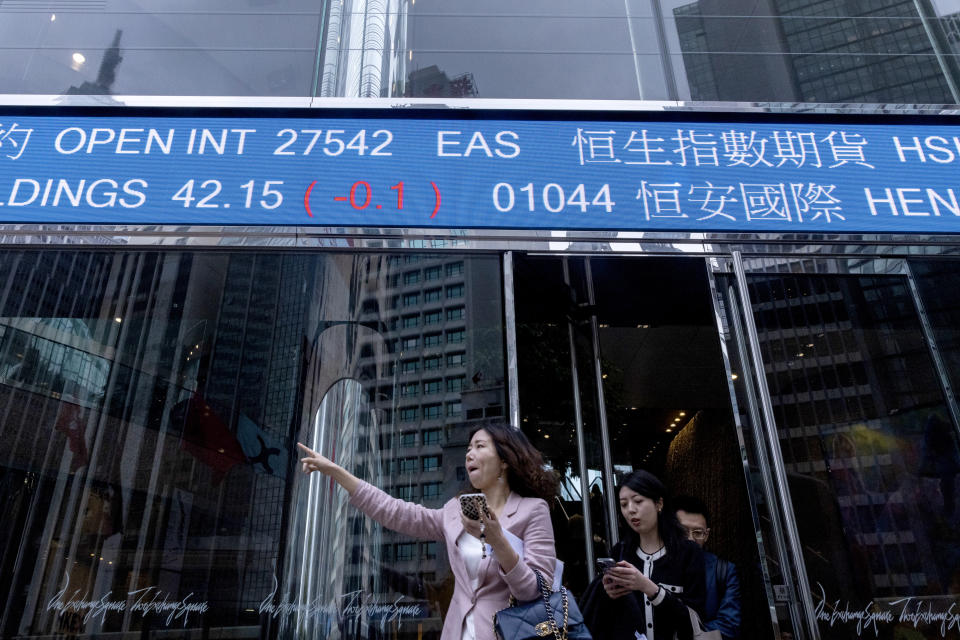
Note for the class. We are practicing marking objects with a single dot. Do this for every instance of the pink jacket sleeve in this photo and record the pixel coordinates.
(405, 517)
(539, 552)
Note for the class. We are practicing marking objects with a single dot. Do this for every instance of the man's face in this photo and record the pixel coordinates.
(696, 526)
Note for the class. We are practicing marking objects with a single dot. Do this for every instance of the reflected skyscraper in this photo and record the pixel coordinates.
(364, 48)
(809, 51)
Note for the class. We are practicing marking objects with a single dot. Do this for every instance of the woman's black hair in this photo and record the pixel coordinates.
(526, 474)
(648, 485)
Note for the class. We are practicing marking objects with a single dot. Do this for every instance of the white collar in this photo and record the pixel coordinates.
(650, 557)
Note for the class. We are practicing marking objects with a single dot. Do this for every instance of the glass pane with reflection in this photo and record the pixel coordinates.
(129, 48)
(149, 406)
(812, 51)
(870, 449)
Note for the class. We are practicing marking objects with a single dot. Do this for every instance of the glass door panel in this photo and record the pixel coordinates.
(869, 447)
(557, 405)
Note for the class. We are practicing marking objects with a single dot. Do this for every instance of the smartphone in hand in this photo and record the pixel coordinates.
(605, 563)
(471, 505)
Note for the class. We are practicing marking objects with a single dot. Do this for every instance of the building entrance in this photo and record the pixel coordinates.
(620, 368)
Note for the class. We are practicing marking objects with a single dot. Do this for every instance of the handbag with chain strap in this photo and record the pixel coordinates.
(554, 615)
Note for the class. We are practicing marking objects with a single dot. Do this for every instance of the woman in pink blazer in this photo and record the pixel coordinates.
(503, 465)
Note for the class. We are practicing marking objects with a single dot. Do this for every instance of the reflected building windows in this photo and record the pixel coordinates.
(431, 490)
(858, 406)
(814, 51)
(151, 401)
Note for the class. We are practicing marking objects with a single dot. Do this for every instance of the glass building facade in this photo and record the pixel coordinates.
(808, 51)
(155, 378)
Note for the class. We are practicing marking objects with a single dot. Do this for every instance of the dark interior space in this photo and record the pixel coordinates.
(666, 402)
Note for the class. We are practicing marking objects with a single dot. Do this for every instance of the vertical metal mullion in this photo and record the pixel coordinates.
(602, 414)
(510, 326)
(633, 49)
(763, 459)
(722, 331)
(581, 440)
(778, 471)
(669, 77)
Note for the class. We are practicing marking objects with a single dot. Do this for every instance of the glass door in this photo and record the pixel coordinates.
(855, 434)
(623, 356)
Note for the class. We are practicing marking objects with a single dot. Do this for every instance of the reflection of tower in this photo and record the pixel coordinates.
(431, 82)
(107, 73)
(364, 48)
(257, 347)
(441, 316)
(735, 49)
(950, 24)
(836, 350)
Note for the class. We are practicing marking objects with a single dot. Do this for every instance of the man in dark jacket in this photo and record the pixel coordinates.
(722, 607)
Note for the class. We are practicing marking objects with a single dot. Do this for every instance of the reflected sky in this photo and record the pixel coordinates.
(609, 49)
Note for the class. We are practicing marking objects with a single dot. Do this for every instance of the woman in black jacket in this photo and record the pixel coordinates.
(658, 575)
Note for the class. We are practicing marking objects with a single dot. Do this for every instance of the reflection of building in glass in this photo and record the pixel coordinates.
(810, 50)
(442, 318)
(951, 29)
(431, 82)
(852, 390)
(252, 375)
(152, 423)
(364, 48)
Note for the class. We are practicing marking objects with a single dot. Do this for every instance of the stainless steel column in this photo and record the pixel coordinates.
(510, 322)
(777, 468)
(610, 485)
(581, 441)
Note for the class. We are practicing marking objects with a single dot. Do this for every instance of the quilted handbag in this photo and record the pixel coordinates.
(554, 615)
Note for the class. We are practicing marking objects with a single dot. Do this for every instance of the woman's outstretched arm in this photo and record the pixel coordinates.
(313, 461)
(406, 517)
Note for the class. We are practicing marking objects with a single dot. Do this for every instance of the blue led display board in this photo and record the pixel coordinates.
(389, 171)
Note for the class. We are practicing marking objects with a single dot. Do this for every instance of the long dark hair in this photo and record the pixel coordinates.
(648, 485)
(526, 474)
